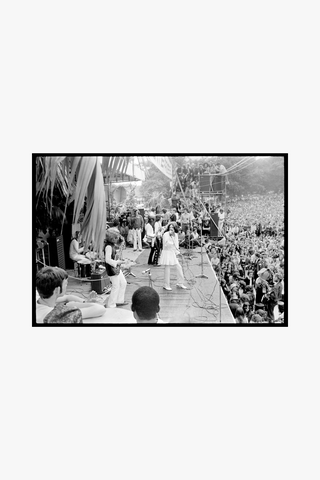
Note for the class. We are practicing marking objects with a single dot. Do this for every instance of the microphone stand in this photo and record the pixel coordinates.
(202, 275)
(150, 279)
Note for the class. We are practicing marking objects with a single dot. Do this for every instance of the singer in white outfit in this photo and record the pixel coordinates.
(168, 256)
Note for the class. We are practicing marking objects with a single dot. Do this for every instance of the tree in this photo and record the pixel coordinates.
(257, 175)
(156, 187)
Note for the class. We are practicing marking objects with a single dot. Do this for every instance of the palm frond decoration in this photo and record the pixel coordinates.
(76, 178)
(94, 222)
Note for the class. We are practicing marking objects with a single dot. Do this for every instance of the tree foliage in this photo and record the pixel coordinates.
(156, 187)
(263, 175)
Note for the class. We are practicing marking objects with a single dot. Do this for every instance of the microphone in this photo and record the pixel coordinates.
(147, 271)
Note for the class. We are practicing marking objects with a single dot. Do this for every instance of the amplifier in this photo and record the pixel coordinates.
(99, 281)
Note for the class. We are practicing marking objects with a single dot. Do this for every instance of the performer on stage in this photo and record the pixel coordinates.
(76, 254)
(75, 251)
(158, 240)
(151, 236)
(118, 281)
(169, 256)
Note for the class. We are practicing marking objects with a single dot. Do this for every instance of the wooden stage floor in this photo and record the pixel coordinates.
(202, 302)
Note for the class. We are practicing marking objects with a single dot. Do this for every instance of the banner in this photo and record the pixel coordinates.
(164, 164)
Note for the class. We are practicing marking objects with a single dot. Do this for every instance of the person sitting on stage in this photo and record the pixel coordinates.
(75, 250)
(146, 305)
(117, 279)
(169, 256)
(195, 238)
(54, 306)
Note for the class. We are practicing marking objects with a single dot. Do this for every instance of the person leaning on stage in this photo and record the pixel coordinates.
(146, 305)
(54, 306)
(137, 226)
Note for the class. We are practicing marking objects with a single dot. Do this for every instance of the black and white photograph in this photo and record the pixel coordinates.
(160, 239)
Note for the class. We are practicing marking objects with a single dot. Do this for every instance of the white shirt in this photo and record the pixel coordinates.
(150, 233)
(74, 249)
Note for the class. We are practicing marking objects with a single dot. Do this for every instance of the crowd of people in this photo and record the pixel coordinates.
(247, 254)
(187, 177)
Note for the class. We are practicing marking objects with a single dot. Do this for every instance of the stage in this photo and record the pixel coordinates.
(202, 302)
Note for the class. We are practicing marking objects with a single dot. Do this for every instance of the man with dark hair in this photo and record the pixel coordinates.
(138, 226)
(146, 305)
(54, 306)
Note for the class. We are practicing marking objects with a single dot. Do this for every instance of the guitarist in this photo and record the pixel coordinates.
(117, 279)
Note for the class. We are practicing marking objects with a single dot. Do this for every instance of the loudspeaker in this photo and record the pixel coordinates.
(56, 249)
(214, 232)
(218, 183)
(99, 281)
(141, 211)
(174, 202)
(204, 183)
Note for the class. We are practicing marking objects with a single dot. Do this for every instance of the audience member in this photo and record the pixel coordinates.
(146, 305)
(54, 306)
